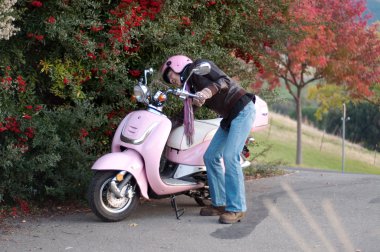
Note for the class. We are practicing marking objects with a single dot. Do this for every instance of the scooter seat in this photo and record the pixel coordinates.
(204, 130)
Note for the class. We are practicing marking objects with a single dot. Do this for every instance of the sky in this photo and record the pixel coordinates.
(374, 7)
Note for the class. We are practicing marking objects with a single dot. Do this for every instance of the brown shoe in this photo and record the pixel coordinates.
(231, 217)
(212, 210)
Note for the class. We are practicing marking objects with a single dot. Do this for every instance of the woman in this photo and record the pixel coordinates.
(223, 95)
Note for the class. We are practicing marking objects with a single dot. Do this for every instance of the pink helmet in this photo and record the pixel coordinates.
(177, 63)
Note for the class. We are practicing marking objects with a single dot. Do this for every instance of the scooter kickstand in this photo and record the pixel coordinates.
(178, 212)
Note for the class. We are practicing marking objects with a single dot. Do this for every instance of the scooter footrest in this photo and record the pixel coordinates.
(177, 182)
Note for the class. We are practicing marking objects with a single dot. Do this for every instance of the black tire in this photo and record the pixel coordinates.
(105, 204)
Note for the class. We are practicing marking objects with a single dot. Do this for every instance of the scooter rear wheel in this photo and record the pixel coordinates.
(203, 197)
(105, 204)
(203, 202)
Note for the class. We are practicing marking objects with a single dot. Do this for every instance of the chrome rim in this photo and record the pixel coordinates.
(109, 200)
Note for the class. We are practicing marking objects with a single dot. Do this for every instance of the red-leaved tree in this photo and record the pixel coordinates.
(330, 43)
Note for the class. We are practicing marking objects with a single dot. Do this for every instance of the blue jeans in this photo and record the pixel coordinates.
(227, 188)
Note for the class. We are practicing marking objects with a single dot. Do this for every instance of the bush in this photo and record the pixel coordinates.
(262, 169)
(45, 153)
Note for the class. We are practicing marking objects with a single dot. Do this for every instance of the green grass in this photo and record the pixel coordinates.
(282, 138)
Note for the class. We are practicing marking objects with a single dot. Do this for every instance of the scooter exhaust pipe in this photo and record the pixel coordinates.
(117, 189)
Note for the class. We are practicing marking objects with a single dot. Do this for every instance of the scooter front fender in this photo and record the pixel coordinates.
(130, 161)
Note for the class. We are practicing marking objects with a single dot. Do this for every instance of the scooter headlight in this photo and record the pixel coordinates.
(141, 93)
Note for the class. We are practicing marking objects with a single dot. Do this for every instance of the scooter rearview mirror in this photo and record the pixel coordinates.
(202, 69)
(146, 72)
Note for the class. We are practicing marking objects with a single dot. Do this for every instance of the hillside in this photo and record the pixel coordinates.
(319, 150)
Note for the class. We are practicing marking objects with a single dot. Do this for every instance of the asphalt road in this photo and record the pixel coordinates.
(302, 211)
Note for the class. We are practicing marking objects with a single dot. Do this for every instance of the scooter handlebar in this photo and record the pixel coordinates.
(183, 94)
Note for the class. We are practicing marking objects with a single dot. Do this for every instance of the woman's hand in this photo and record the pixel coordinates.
(202, 96)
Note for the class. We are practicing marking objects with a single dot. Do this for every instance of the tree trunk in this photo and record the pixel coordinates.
(299, 127)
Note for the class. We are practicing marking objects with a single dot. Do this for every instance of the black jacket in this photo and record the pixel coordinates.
(228, 99)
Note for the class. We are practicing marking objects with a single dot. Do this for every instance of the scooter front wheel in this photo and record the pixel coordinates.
(105, 203)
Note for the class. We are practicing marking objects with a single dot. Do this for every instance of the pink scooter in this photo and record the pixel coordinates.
(150, 161)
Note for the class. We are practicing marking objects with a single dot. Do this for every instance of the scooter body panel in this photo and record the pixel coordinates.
(262, 115)
(192, 156)
(130, 161)
(146, 133)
